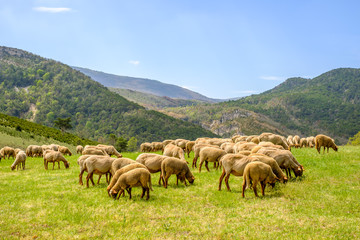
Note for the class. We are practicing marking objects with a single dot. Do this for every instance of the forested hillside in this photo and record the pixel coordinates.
(42, 90)
(329, 104)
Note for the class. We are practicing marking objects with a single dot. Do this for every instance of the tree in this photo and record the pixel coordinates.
(121, 144)
(63, 123)
(132, 144)
(355, 140)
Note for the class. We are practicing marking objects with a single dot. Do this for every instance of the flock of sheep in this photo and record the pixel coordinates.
(264, 159)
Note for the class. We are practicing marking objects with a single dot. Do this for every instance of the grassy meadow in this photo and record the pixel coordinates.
(323, 204)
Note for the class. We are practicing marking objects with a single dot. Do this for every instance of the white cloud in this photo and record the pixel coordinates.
(134, 62)
(272, 78)
(52, 10)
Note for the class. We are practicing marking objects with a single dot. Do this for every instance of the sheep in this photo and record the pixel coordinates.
(303, 143)
(197, 148)
(19, 161)
(172, 150)
(239, 146)
(172, 165)
(290, 141)
(152, 161)
(326, 142)
(145, 147)
(189, 147)
(156, 146)
(133, 178)
(273, 164)
(166, 142)
(311, 141)
(7, 152)
(296, 141)
(257, 172)
(181, 143)
(119, 163)
(79, 149)
(54, 156)
(110, 150)
(97, 164)
(34, 151)
(210, 154)
(240, 139)
(17, 150)
(233, 164)
(228, 147)
(93, 150)
(285, 159)
(275, 139)
(120, 171)
(64, 150)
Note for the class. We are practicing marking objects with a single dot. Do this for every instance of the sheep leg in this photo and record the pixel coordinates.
(227, 176)
(243, 188)
(119, 194)
(129, 191)
(255, 190)
(98, 182)
(143, 192)
(200, 164)
(221, 178)
(215, 164)
(161, 179)
(263, 185)
(53, 165)
(177, 180)
(80, 176)
(147, 193)
(166, 180)
(206, 165)
(59, 164)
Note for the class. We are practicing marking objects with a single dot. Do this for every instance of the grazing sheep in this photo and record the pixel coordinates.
(17, 150)
(296, 141)
(99, 165)
(172, 150)
(54, 156)
(79, 149)
(197, 148)
(247, 146)
(228, 147)
(285, 159)
(110, 150)
(290, 141)
(19, 161)
(257, 172)
(166, 142)
(210, 154)
(233, 164)
(119, 163)
(189, 147)
(152, 161)
(303, 143)
(181, 143)
(121, 171)
(326, 142)
(240, 139)
(311, 141)
(81, 161)
(34, 151)
(93, 150)
(273, 164)
(64, 150)
(275, 139)
(178, 167)
(145, 147)
(156, 146)
(138, 177)
(7, 152)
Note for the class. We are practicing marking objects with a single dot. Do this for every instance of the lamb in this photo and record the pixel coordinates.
(257, 172)
(7, 152)
(285, 159)
(79, 149)
(152, 162)
(189, 147)
(54, 156)
(172, 165)
(326, 142)
(98, 165)
(64, 150)
(121, 171)
(133, 178)
(233, 164)
(210, 154)
(174, 151)
(119, 163)
(110, 150)
(19, 161)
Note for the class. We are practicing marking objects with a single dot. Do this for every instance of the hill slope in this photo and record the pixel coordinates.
(329, 104)
(40, 89)
(144, 85)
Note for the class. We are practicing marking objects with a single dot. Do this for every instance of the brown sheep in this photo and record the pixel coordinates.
(296, 141)
(285, 159)
(79, 149)
(273, 164)
(119, 163)
(19, 161)
(64, 150)
(93, 150)
(189, 147)
(120, 171)
(247, 146)
(197, 148)
(145, 147)
(172, 150)
(228, 147)
(133, 178)
(156, 146)
(178, 167)
(210, 154)
(311, 141)
(152, 161)
(110, 150)
(181, 143)
(275, 139)
(97, 164)
(34, 151)
(54, 156)
(81, 161)
(7, 152)
(303, 142)
(257, 172)
(326, 142)
(233, 164)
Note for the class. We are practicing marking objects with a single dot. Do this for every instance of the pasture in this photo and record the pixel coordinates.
(323, 204)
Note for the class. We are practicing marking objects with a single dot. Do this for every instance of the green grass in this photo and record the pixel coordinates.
(323, 204)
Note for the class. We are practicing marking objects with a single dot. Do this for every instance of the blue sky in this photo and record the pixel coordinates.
(221, 49)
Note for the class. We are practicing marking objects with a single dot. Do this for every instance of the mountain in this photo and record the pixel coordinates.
(42, 90)
(153, 87)
(328, 104)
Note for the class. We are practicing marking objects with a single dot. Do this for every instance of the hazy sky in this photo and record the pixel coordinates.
(221, 49)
